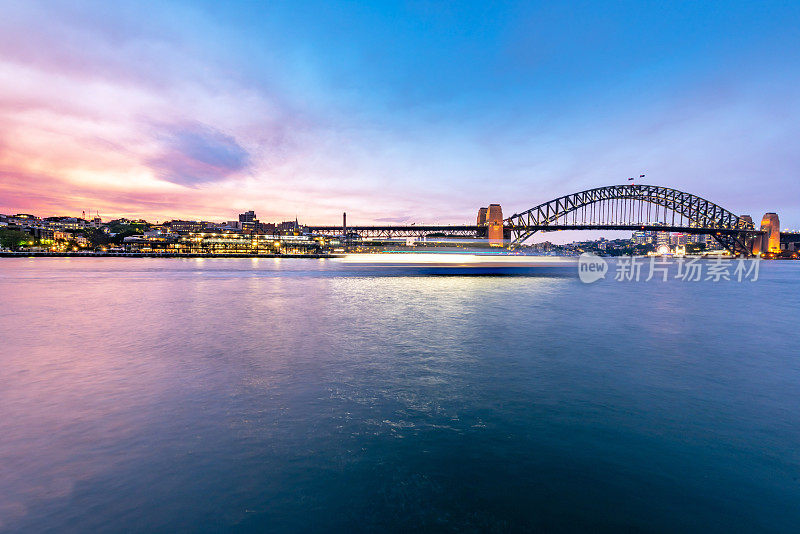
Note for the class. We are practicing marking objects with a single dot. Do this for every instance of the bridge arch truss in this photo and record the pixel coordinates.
(634, 207)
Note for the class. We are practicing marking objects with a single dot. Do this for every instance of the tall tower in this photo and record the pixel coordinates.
(494, 221)
(771, 240)
(494, 214)
(344, 230)
(482, 216)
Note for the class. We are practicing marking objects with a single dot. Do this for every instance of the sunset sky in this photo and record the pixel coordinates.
(393, 112)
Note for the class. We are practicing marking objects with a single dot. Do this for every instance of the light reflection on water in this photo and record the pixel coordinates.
(298, 395)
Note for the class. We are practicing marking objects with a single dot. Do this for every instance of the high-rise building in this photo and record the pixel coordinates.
(662, 238)
(711, 242)
(248, 216)
(677, 238)
(643, 237)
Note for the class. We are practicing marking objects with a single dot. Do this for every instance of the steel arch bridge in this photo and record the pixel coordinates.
(614, 207)
(634, 207)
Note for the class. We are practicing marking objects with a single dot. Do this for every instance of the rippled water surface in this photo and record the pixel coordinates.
(296, 395)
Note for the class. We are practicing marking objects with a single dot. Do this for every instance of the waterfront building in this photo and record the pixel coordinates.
(248, 221)
(248, 216)
(711, 242)
(677, 238)
(288, 227)
(183, 227)
(267, 228)
(790, 241)
(545, 246)
(209, 226)
(223, 243)
(643, 237)
(63, 223)
(39, 232)
(695, 238)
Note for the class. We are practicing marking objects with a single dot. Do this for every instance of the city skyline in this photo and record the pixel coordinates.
(393, 114)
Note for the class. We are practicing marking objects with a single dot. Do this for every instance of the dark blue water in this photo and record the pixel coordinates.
(299, 396)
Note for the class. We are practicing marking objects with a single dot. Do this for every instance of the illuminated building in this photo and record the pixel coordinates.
(677, 239)
(248, 216)
(771, 240)
(790, 241)
(183, 227)
(222, 243)
(248, 221)
(643, 237)
(288, 227)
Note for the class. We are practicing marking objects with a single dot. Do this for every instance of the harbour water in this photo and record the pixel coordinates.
(300, 395)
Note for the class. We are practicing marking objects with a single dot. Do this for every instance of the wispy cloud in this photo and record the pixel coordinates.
(197, 154)
(177, 111)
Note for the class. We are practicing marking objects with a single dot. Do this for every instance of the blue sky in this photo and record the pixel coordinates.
(417, 111)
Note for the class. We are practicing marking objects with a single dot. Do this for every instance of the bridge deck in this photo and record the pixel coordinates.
(473, 230)
(615, 207)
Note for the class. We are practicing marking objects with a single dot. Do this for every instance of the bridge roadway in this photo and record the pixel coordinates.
(472, 231)
(614, 207)
(390, 231)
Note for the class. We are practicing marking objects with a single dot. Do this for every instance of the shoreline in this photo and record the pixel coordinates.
(11, 254)
(6, 254)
